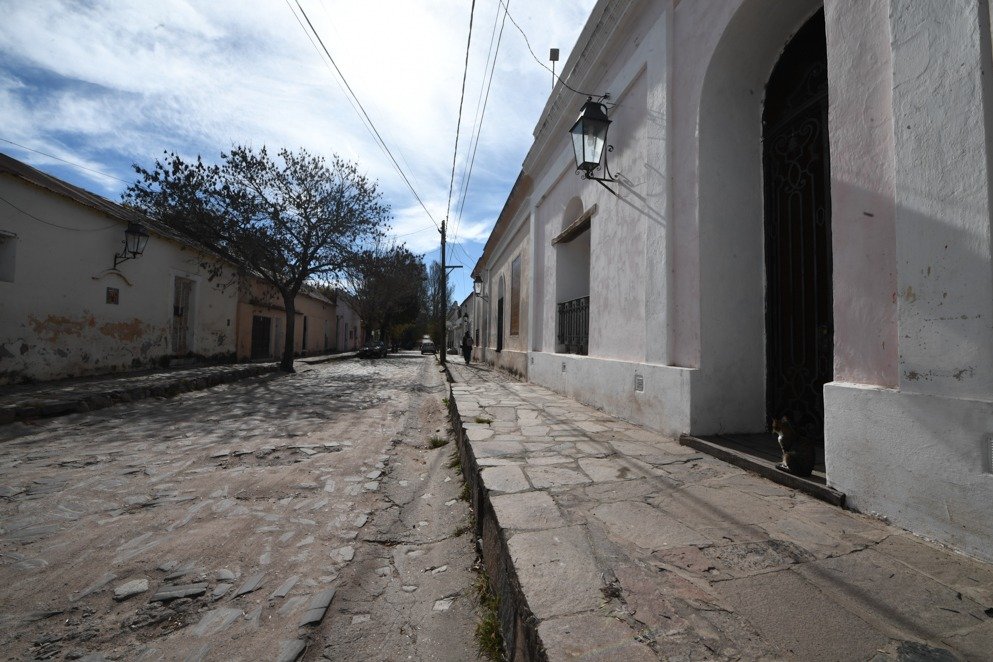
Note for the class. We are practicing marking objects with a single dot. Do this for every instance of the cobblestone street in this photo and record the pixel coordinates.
(221, 524)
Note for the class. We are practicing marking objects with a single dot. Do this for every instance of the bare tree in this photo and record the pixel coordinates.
(286, 221)
(436, 305)
(386, 283)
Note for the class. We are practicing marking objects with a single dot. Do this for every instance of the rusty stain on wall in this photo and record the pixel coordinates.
(52, 327)
(131, 331)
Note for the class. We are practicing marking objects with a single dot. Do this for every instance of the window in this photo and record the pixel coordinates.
(515, 296)
(8, 249)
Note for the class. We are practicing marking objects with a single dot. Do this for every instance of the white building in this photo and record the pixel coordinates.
(801, 225)
(69, 306)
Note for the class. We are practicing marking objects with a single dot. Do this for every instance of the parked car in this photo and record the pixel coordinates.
(427, 347)
(374, 349)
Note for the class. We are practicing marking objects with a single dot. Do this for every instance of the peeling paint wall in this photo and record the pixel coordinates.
(324, 321)
(55, 317)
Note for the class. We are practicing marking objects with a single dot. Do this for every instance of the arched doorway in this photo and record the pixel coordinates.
(796, 170)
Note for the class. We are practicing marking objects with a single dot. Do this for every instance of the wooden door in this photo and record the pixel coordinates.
(181, 315)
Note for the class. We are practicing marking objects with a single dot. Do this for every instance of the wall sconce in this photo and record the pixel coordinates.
(589, 137)
(135, 240)
(477, 288)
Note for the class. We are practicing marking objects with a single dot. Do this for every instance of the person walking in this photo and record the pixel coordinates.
(467, 346)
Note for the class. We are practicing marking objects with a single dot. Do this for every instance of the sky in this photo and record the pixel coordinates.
(103, 84)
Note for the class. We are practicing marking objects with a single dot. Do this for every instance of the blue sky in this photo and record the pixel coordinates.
(106, 84)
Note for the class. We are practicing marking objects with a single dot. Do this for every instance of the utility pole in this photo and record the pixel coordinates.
(444, 298)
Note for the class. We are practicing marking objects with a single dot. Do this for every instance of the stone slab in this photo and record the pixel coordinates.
(505, 479)
(557, 571)
(797, 617)
(529, 511)
(173, 592)
(543, 477)
(592, 638)
(633, 522)
(316, 608)
(215, 621)
(891, 595)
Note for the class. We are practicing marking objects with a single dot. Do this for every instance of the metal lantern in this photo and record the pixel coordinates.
(135, 240)
(589, 135)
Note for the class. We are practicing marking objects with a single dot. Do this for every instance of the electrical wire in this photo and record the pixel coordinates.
(371, 124)
(56, 225)
(547, 68)
(58, 158)
(481, 114)
(458, 124)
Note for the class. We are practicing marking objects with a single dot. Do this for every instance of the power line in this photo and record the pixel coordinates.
(371, 124)
(56, 225)
(458, 124)
(480, 117)
(58, 158)
(547, 68)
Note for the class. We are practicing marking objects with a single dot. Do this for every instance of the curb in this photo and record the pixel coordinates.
(518, 626)
(166, 388)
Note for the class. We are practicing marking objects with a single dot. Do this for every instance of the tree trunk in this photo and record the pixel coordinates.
(289, 304)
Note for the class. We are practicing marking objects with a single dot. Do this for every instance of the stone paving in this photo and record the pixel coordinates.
(57, 398)
(608, 541)
(276, 518)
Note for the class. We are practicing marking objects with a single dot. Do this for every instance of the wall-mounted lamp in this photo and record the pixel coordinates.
(135, 239)
(477, 288)
(589, 137)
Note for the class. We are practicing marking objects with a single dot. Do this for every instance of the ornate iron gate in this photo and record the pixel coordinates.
(799, 316)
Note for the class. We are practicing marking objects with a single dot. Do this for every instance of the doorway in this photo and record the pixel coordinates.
(261, 337)
(499, 321)
(181, 315)
(796, 170)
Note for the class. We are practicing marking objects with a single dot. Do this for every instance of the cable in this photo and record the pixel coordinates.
(377, 136)
(56, 225)
(547, 68)
(57, 158)
(479, 124)
(458, 124)
(407, 234)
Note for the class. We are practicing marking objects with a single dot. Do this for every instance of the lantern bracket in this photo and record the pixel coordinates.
(588, 174)
(135, 238)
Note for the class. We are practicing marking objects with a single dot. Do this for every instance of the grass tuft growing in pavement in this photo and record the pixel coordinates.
(455, 462)
(438, 442)
(488, 637)
(483, 420)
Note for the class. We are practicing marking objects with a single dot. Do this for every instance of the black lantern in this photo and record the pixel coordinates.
(589, 138)
(135, 240)
(477, 287)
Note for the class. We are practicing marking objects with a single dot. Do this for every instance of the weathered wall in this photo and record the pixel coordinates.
(263, 300)
(919, 455)
(514, 245)
(54, 317)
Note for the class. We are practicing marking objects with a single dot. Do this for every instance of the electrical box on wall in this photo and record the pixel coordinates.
(639, 383)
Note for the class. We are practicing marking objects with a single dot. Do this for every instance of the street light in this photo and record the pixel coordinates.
(135, 240)
(477, 288)
(589, 137)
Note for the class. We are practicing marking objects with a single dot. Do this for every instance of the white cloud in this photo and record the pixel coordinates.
(108, 82)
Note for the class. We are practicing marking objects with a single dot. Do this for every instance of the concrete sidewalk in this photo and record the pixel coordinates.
(606, 541)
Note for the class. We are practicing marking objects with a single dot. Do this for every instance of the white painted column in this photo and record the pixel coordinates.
(945, 279)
